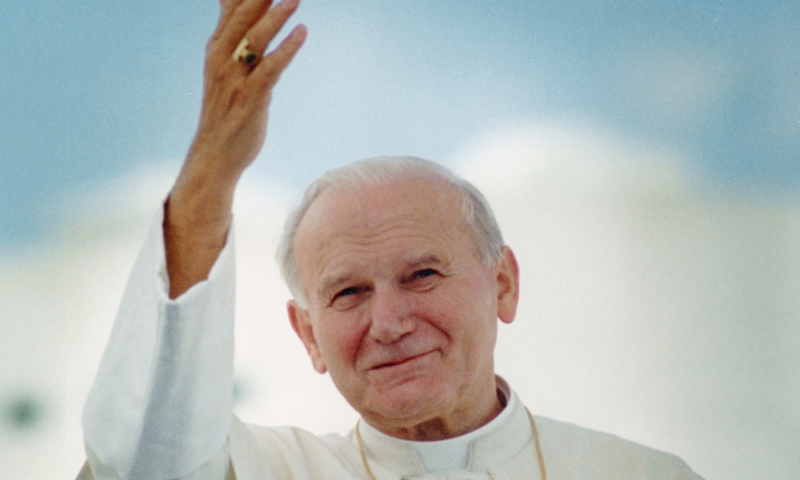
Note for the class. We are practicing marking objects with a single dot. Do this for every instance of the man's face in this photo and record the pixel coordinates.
(400, 310)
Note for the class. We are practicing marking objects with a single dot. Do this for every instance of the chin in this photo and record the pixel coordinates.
(410, 402)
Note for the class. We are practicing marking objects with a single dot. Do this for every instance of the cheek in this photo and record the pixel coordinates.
(475, 298)
(473, 309)
(454, 310)
(339, 338)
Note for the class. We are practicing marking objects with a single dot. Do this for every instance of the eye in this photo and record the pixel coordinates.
(345, 292)
(424, 273)
(348, 298)
(423, 279)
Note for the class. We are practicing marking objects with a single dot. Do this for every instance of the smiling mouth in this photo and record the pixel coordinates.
(401, 361)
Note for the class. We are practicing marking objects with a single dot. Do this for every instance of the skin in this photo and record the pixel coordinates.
(232, 129)
(401, 312)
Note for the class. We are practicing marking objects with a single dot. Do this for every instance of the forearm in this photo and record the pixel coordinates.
(196, 221)
(231, 132)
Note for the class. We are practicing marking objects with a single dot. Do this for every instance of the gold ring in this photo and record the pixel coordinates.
(244, 55)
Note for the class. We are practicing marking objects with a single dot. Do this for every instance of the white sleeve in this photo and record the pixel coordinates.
(161, 403)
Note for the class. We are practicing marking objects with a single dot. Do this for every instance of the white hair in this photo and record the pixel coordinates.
(476, 212)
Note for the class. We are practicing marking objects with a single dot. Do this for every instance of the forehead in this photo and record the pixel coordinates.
(401, 220)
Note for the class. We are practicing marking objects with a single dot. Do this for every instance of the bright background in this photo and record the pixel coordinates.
(643, 159)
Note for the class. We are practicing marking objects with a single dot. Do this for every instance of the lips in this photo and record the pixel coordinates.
(377, 357)
(399, 361)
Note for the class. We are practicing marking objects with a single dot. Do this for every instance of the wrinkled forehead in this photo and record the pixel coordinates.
(409, 207)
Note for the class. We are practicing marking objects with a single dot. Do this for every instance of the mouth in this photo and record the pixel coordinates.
(401, 361)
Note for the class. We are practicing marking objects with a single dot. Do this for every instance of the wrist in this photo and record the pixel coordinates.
(197, 218)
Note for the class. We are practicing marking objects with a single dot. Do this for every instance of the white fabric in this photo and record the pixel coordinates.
(506, 453)
(454, 453)
(161, 404)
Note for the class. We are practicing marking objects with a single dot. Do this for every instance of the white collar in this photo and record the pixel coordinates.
(492, 444)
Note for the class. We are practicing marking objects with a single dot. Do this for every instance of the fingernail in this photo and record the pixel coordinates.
(298, 32)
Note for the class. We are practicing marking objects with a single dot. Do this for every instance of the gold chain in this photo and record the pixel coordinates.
(363, 455)
(539, 456)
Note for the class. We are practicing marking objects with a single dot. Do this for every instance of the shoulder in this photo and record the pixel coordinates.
(287, 450)
(571, 451)
(296, 439)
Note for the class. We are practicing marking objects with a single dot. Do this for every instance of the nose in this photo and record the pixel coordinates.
(390, 315)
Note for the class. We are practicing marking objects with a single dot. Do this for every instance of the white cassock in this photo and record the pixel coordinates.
(161, 408)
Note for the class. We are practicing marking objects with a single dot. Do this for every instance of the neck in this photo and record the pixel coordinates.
(440, 429)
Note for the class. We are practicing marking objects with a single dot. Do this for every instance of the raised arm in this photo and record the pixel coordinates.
(232, 129)
(161, 403)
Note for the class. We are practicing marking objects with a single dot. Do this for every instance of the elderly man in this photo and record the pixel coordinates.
(399, 276)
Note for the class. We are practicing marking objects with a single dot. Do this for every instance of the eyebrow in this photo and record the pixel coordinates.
(428, 259)
(333, 283)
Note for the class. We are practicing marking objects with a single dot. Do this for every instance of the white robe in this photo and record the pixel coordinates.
(161, 408)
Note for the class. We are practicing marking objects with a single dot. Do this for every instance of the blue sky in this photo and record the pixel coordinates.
(95, 89)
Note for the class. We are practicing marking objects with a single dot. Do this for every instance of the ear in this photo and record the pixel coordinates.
(301, 324)
(507, 277)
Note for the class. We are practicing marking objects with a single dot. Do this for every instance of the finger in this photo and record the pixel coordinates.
(263, 32)
(236, 18)
(227, 7)
(269, 70)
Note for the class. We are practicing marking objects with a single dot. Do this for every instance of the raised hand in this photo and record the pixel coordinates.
(232, 129)
(236, 96)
